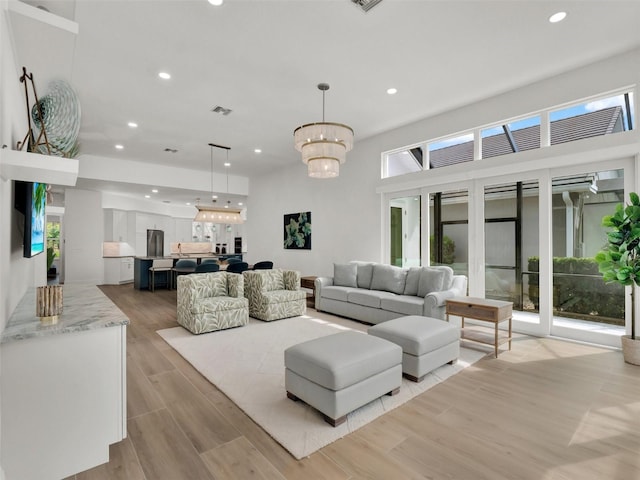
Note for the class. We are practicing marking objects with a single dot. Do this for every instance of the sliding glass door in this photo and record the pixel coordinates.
(581, 300)
(405, 231)
(449, 230)
(511, 243)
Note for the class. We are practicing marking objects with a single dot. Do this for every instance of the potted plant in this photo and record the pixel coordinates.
(620, 262)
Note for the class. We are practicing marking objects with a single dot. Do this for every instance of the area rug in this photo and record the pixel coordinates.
(247, 364)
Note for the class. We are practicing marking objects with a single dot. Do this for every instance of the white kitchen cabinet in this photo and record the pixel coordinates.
(126, 270)
(116, 228)
(118, 270)
(183, 230)
(64, 392)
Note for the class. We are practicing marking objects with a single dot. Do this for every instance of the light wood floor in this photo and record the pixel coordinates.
(547, 410)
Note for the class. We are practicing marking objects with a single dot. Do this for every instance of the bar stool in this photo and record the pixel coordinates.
(160, 265)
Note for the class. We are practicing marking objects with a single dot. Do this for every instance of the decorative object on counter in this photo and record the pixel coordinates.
(297, 231)
(213, 213)
(49, 304)
(324, 145)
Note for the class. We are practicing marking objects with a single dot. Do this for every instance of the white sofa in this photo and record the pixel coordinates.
(374, 292)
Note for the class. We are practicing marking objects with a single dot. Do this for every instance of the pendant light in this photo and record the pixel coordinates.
(323, 145)
(213, 213)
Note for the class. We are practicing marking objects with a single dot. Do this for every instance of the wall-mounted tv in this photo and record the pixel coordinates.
(30, 200)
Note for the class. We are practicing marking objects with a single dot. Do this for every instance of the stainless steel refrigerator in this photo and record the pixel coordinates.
(155, 243)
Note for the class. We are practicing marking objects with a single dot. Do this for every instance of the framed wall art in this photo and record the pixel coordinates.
(297, 231)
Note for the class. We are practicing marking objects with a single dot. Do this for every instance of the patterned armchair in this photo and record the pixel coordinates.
(274, 294)
(211, 301)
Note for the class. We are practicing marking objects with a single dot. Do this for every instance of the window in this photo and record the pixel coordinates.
(511, 137)
(408, 160)
(451, 151)
(603, 116)
(591, 119)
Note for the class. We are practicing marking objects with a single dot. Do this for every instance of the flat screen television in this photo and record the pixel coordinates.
(30, 200)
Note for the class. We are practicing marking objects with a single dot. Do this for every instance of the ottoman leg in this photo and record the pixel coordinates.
(334, 422)
(414, 378)
(292, 396)
(393, 392)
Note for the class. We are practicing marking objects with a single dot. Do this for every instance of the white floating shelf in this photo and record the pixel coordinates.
(34, 167)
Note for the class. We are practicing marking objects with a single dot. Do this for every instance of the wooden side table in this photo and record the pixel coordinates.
(309, 283)
(494, 311)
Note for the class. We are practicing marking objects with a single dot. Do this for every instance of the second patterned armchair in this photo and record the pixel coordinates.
(274, 294)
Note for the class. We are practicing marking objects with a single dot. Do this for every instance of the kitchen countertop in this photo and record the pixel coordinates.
(85, 307)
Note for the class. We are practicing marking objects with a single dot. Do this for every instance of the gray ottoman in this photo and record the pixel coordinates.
(427, 343)
(339, 373)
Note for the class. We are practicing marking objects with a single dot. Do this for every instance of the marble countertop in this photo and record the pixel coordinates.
(85, 307)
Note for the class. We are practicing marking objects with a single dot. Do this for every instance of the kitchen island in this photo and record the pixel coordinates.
(141, 265)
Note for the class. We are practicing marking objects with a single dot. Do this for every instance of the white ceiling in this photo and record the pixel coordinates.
(263, 60)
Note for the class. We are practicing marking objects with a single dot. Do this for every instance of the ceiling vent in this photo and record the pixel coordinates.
(222, 110)
(170, 150)
(366, 5)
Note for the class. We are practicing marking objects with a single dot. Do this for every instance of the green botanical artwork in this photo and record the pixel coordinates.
(297, 231)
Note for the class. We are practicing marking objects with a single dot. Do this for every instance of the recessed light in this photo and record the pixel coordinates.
(227, 164)
(216, 3)
(155, 190)
(119, 147)
(557, 17)
(257, 150)
(226, 206)
(164, 75)
(392, 91)
(240, 204)
(188, 203)
(147, 196)
(214, 196)
(133, 124)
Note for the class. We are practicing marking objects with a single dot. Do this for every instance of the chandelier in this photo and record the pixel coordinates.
(213, 213)
(324, 145)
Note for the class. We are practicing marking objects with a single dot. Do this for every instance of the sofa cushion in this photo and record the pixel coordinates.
(272, 280)
(218, 284)
(388, 278)
(344, 275)
(365, 272)
(405, 304)
(431, 280)
(447, 282)
(218, 304)
(413, 278)
(336, 293)
(283, 296)
(368, 298)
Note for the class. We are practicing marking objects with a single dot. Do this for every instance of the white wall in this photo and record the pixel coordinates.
(83, 237)
(345, 218)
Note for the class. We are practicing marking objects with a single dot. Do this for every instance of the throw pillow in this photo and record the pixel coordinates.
(431, 280)
(344, 275)
(413, 278)
(365, 273)
(388, 279)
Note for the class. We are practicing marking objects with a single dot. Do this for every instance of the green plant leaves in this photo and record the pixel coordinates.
(620, 260)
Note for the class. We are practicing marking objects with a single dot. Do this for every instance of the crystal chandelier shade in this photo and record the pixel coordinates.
(323, 145)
